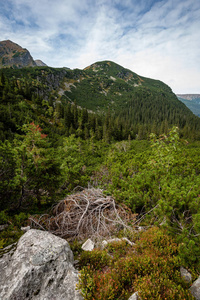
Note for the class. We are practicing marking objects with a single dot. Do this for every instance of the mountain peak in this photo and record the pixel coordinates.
(113, 70)
(10, 45)
(13, 55)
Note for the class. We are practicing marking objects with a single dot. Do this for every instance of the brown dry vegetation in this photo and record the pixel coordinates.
(88, 213)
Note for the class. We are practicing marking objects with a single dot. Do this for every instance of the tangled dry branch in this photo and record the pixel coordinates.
(88, 213)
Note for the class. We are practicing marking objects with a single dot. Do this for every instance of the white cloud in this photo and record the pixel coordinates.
(154, 38)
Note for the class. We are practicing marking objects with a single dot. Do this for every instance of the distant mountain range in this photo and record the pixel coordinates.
(13, 55)
(192, 101)
(133, 103)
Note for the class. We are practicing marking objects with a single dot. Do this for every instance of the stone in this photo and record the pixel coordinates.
(41, 268)
(25, 229)
(88, 245)
(114, 240)
(195, 289)
(186, 276)
(135, 296)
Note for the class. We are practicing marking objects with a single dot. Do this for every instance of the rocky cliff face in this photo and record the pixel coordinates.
(13, 55)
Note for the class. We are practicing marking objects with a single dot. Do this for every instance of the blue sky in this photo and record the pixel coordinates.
(153, 38)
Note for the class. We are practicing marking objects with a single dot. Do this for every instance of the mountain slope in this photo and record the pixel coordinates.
(13, 55)
(40, 63)
(123, 103)
(107, 86)
(192, 101)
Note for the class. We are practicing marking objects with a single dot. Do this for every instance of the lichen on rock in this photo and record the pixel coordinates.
(40, 268)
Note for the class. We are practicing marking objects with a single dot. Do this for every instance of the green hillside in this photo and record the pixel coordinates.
(106, 85)
(119, 102)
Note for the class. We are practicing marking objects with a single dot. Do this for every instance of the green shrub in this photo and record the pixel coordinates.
(19, 220)
(3, 217)
(118, 249)
(159, 286)
(10, 235)
(12, 232)
(76, 248)
(151, 267)
(96, 259)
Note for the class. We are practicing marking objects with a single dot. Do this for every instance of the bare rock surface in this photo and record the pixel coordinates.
(41, 268)
(195, 289)
(135, 296)
(88, 245)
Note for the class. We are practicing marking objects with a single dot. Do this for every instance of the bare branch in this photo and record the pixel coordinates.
(85, 214)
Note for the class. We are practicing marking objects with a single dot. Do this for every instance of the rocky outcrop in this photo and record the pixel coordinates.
(40, 63)
(12, 55)
(41, 268)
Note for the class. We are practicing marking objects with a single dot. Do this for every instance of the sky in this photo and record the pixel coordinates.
(159, 39)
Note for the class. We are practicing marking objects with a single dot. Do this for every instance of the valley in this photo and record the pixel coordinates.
(64, 131)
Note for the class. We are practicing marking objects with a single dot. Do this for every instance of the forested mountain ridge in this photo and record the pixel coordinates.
(124, 103)
(106, 85)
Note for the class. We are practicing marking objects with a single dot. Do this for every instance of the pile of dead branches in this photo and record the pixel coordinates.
(88, 213)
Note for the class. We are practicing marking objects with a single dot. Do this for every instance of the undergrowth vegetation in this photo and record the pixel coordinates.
(12, 227)
(161, 184)
(157, 179)
(151, 267)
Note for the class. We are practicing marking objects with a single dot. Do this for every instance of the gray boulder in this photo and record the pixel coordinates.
(195, 289)
(41, 268)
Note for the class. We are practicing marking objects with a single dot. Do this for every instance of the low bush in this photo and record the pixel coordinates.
(12, 232)
(151, 267)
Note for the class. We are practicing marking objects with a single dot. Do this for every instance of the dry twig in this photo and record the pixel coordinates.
(86, 214)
